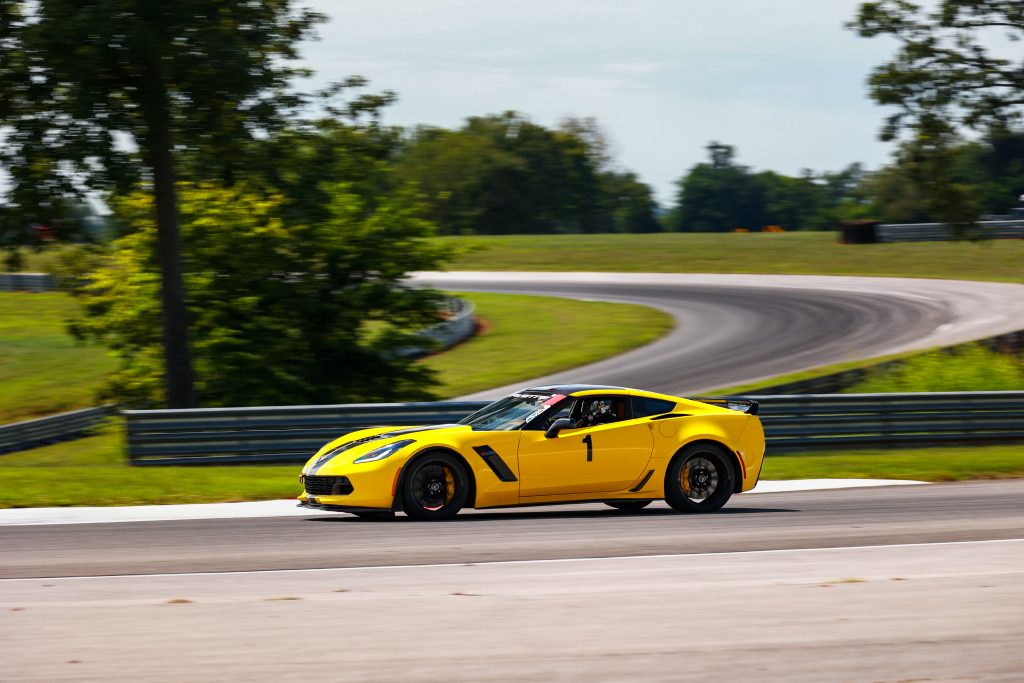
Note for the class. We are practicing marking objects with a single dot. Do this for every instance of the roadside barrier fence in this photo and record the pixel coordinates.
(27, 282)
(937, 232)
(19, 436)
(795, 422)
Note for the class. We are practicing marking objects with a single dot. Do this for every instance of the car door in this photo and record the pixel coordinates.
(600, 458)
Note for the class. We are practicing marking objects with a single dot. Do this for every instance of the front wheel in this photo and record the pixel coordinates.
(435, 487)
(700, 479)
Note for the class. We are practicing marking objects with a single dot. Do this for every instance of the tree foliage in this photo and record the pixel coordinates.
(503, 174)
(721, 194)
(84, 85)
(283, 313)
(948, 68)
(948, 74)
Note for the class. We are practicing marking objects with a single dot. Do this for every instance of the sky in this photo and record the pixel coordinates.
(782, 81)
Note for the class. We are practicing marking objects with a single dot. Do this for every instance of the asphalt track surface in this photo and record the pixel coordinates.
(815, 519)
(732, 329)
(911, 583)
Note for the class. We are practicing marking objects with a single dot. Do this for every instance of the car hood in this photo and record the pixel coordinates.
(347, 448)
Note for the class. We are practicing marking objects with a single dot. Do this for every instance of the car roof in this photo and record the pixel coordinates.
(570, 389)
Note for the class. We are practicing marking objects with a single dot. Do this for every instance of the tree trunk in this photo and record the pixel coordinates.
(157, 146)
(180, 382)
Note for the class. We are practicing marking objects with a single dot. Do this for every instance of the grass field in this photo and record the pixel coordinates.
(528, 336)
(93, 471)
(923, 464)
(810, 253)
(43, 371)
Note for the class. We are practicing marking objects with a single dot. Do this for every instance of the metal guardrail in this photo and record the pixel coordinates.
(810, 421)
(292, 434)
(27, 282)
(210, 436)
(936, 232)
(19, 436)
(459, 325)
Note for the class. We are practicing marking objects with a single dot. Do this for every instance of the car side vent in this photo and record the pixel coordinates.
(670, 415)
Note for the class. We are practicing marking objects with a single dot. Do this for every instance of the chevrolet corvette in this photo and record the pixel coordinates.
(546, 445)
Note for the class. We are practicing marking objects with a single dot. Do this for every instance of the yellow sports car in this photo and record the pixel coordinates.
(545, 445)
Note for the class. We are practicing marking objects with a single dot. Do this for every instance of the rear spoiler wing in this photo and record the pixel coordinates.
(739, 404)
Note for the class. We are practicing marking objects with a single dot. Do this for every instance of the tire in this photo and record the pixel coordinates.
(700, 479)
(435, 487)
(628, 505)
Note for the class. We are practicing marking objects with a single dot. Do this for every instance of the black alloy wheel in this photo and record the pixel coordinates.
(435, 488)
(700, 479)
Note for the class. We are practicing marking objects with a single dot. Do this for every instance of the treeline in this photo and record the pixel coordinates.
(504, 174)
(987, 177)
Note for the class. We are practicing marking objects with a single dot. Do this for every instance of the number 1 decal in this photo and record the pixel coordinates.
(590, 447)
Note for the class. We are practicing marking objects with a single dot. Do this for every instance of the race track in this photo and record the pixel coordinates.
(732, 329)
(910, 583)
(772, 521)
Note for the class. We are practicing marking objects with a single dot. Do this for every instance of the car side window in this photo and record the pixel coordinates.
(597, 410)
(645, 407)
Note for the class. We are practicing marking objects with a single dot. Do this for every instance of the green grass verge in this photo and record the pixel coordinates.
(756, 387)
(951, 463)
(42, 369)
(93, 471)
(969, 368)
(810, 253)
(529, 336)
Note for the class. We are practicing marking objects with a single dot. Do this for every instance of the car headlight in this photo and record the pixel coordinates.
(384, 451)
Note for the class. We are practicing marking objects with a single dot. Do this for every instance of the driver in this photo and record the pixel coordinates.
(598, 412)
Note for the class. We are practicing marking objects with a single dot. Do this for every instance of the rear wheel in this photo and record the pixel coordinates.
(435, 488)
(700, 479)
(628, 505)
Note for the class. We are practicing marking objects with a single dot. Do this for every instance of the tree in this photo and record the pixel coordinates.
(626, 204)
(83, 82)
(282, 313)
(720, 195)
(304, 162)
(947, 66)
(947, 75)
(505, 174)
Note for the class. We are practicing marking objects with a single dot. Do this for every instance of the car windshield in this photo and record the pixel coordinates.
(510, 413)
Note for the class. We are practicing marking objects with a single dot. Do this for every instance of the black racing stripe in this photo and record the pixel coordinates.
(338, 450)
(643, 483)
(494, 461)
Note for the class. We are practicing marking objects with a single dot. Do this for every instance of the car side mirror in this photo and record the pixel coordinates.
(558, 425)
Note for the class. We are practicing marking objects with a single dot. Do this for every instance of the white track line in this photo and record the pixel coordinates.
(288, 508)
(562, 560)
